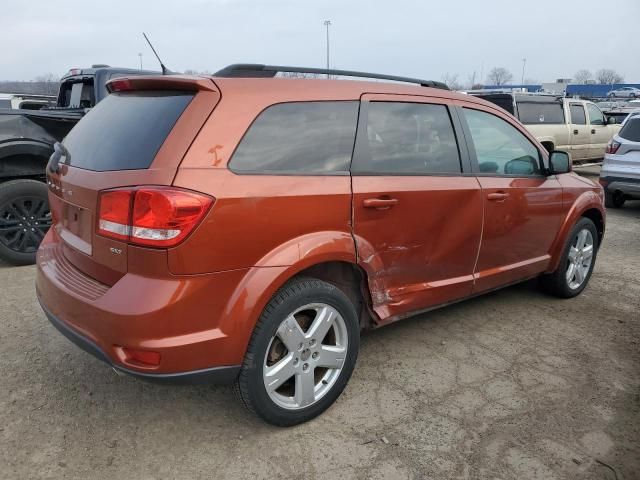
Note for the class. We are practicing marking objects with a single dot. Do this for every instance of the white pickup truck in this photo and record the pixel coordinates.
(575, 126)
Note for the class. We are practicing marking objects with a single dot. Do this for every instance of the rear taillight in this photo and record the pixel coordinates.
(612, 147)
(153, 216)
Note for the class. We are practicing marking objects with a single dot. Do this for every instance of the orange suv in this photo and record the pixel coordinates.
(245, 228)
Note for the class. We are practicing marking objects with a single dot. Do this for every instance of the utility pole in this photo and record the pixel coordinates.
(327, 23)
(140, 55)
(524, 62)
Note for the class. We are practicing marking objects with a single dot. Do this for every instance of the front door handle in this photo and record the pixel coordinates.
(593, 131)
(575, 132)
(380, 203)
(497, 196)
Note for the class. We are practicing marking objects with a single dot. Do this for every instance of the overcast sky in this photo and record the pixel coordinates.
(413, 38)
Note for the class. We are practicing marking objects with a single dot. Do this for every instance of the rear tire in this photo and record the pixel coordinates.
(577, 261)
(614, 199)
(301, 354)
(24, 220)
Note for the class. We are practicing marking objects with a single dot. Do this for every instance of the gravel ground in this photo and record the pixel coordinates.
(512, 385)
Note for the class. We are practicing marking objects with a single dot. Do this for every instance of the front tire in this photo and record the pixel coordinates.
(24, 220)
(577, 262)
(301, 354)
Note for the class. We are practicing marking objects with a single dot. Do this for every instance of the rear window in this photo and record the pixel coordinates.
(125, 130)
(299, 138)
(540, 113)
(631, 130)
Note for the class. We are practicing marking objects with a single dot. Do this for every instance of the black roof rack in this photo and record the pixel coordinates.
(256, 70)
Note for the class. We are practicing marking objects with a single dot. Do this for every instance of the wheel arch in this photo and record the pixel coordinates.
(260, 284)
(21, 159)
(588, 205)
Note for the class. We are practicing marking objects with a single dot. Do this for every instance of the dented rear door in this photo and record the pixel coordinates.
(417, 218)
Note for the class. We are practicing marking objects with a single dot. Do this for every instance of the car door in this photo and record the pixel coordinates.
(522, 207)
(599, 130)
(579, 131)
(417, 219)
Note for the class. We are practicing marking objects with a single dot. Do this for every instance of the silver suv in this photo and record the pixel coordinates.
(620, 174)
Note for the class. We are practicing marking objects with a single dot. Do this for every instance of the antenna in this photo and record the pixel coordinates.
(165, 70)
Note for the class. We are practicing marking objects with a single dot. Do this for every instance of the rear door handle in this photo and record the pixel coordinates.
(497, 196)
(593, 131)
(575, 132)
(379, 202)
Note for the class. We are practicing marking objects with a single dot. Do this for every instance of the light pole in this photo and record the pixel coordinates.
(524, 62)
(140, 55)
(327, 23)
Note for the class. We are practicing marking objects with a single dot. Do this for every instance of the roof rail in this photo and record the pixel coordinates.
(256, 70)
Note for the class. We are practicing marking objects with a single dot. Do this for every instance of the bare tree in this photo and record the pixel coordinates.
(451, 81)
(499, 76)
(607, 76)
(582, 76)
(190, 71)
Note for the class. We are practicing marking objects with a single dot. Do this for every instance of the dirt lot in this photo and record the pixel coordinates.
(514, 385)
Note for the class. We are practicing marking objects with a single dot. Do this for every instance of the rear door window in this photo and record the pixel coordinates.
(501, 149)
(540, 113)
(125, 130)
(577, 114)
(407, 138)
(305, 138)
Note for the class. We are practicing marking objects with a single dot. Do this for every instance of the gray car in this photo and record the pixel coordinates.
(620, 174)
(624, 92)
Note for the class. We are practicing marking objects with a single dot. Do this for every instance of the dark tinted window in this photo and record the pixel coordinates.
(631, 130)
(540, 113)
(501, 149)
(299, 137)
(577, 114)
(125, 130)
(411, 138)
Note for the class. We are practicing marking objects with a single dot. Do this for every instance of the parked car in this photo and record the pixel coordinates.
(620, 173)
(26, 101)
(27, 137)
(264, 222)
(571, 125)
(624, 92)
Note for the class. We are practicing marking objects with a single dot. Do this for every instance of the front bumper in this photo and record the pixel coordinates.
(220, 375)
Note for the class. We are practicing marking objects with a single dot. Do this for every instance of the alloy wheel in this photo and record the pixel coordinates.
(305, 356)
(579, 259)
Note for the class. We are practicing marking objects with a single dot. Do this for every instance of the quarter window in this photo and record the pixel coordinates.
(500, 148)
(577, 114)
(407, 138)
(299, 138)
(595, 115)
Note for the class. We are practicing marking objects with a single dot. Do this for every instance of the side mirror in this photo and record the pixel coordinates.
(611, 120)
(559, 162)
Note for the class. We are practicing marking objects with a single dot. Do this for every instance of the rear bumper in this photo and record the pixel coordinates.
(220, 375)
(182, 318)
(627, 185)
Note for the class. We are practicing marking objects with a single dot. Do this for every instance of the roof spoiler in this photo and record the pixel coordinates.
(157, 82)
(255, 70)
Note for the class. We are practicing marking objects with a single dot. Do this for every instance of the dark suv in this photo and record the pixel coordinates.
(242, 229)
